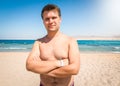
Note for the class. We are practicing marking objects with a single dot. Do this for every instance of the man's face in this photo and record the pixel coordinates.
(51, 20)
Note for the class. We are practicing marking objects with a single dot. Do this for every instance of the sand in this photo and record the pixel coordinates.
(99, 69)
(13, 71)
(96, 69)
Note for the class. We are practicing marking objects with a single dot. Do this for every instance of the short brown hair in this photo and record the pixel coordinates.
(49, 7)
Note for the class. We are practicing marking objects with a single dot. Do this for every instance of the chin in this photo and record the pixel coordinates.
(53, 29)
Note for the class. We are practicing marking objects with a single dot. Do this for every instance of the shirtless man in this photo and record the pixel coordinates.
(55, 56)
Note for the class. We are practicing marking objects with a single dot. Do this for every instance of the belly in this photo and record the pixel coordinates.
(52, 81)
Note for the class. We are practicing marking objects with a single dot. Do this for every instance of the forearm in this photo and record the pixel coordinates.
(64, 71)
(42, 67)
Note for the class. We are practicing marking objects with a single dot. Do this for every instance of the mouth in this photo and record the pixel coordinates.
(51, 26)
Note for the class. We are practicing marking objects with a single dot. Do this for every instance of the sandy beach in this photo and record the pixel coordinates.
(96, 69)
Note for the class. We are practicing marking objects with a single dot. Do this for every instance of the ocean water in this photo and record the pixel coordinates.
(84, 45)
(112, 46)
(16, 45)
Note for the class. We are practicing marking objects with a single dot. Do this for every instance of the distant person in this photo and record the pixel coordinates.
(56, 56)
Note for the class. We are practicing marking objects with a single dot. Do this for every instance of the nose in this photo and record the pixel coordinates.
(50, 20)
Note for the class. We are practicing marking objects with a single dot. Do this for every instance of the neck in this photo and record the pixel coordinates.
(53, 34)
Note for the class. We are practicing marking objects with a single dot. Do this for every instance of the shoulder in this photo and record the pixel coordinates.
(40, 40)
(69, 38)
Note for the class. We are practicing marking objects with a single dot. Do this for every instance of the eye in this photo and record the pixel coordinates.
(46, 19)
(54, 17)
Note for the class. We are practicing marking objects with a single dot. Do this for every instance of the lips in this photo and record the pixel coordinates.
(50, 26)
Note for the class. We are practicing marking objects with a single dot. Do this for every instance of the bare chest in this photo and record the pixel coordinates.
(53, 51)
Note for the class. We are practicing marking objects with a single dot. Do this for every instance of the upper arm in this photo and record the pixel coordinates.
(35, 52)
(74, 54)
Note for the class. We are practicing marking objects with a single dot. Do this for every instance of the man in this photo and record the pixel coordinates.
(55, 56)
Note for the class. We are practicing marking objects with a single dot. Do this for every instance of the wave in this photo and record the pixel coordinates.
(13, 48)
(116, 47)
(115, 52)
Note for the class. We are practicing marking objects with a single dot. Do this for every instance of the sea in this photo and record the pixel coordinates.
(112, 46)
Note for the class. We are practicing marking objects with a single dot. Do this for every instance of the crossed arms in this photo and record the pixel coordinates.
(53, 68)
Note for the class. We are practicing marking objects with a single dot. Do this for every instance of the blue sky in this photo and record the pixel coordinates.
(20, 19)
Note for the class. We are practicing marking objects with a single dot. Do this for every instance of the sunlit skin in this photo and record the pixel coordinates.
(51, 20)
(47, 51)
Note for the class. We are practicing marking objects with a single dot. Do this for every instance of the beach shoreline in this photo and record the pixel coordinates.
(96, 38)
(96, 69)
